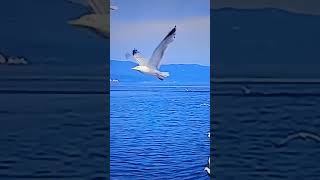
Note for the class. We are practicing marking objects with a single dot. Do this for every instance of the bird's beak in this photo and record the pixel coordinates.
(135, 68)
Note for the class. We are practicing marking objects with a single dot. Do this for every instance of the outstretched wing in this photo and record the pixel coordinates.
(137, 56)
(159, 51)
(99, 6)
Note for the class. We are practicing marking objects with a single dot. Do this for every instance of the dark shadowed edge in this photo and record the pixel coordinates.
(108, 102)
(211, 98)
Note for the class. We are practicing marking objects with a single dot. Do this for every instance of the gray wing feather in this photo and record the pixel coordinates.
(99, 6)
(159, 51)
(137, 56)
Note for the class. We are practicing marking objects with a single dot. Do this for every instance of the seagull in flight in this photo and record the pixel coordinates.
(299, 135)
(152, 66)
(97, 20)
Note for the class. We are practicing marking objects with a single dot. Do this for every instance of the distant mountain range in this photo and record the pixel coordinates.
(256, 43)
(184, 73)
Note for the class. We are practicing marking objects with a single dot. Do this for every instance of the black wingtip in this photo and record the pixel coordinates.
(134, 52)
(171, 32)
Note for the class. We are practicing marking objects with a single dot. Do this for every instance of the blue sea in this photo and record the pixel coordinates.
(159, 131)
(254, 132)
(52, 127)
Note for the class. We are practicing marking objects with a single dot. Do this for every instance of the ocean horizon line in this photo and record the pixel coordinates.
(265, 80)
(214, 80)
(164, 63)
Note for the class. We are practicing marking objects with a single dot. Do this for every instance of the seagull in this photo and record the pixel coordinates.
(152, 66)
(98, 20)
(303, 135)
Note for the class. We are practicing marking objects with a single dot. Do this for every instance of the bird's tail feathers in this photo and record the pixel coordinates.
(162, 75)
(165, 74)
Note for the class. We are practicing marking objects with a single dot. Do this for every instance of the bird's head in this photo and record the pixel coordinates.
(137, 68)
(134, 52)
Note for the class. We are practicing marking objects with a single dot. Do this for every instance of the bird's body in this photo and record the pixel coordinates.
(151, 71)
(146, 70)
(152, 66)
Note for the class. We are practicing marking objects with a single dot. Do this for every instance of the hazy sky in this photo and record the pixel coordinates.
(142, 24)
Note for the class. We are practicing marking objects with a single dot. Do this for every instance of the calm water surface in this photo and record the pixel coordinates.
(249, 129)
(53, 130)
